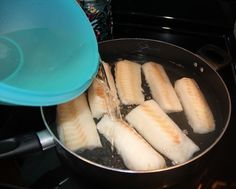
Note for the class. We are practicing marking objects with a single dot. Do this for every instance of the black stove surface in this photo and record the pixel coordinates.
(44, 170)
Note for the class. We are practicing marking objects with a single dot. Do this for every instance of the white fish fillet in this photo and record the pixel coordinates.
(111, 83)
(101, 99)
(161, 132)
(136, 153)
(161, 88)
(76, 127)
(196, 108)
(128, 82)
(97, 99)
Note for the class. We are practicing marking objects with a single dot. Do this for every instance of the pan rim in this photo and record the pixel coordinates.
(169, 168)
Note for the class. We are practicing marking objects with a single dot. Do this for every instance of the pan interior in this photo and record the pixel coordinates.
(179, 64)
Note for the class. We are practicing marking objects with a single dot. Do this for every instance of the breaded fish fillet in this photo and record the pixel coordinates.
(196, 108)
(136, 153)
(76, 127)
(161, 132)
(161, 88)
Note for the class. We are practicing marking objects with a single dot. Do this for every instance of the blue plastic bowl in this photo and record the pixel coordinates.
(48, 52)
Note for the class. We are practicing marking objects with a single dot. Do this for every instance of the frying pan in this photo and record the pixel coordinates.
(178, 63)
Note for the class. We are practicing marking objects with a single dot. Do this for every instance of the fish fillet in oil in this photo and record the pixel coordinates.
(128, 82)
(196, 108)
(76, 127)
(161, 88)
(97, 98)
(136, 153)
(161, 132)
(103, 99)
(111, 83)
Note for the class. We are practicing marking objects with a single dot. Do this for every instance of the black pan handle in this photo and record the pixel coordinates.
(25, 144)
(215, 56)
